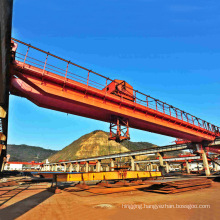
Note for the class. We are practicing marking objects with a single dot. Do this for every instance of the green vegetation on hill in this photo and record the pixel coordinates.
(94, 144)
(27, 153)
(133, 146)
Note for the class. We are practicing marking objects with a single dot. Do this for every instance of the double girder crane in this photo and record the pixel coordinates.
(55, 83)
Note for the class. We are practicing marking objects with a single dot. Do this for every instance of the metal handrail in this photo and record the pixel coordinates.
(148, 102)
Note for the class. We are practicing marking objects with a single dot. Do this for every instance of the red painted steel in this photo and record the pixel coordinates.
(25, 163)
(86, 94)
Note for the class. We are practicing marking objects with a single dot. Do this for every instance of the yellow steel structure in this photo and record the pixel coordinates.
(112, 175)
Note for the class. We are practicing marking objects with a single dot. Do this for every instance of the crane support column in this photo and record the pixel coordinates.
(77, 167)
(137, 168)
(98, 166)
(65, 167)
(205, 163)
(87, 167)
(112, 164)
(107, 168)
(160, 155)
(132, 163)
(187, 167)
(167, 167)
(151, 167)
(71, 168)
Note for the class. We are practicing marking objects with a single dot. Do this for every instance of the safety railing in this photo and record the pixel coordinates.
(68, 70)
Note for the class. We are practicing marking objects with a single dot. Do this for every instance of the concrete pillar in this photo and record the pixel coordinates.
(151, 167)
(205, 163)
(65, 167)
(157, 168)
(71, 168)
(187, 167)
(132, 163)
(107, 168)
(167, 167)
(87, 167)
(101, 168)
(112, 164)
(55, 168)
(137, 168)
(98, 166)
(160, 155)
(77, 167)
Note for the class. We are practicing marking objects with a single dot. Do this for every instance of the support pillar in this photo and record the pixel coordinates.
(167, 167)
(98, 166)
(107, 168)
(77, 167)
(87, 167)
(137, 167)
(151, 167)
(160, 155)
(132, 163)
(65, 167)
(55, 168)
(205, 163)
(71, 168)
(187, 167)
(112, 164)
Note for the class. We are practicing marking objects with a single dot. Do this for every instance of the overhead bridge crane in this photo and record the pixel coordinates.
(55, 83)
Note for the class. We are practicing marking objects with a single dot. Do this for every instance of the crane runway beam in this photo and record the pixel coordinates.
(127, 154)
(112, 175)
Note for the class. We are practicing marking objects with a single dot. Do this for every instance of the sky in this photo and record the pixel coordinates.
(167, 49)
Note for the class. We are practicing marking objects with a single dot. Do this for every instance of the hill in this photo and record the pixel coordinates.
(28, 153)
(96, 143)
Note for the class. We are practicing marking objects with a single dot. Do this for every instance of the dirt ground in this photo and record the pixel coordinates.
(34, 202)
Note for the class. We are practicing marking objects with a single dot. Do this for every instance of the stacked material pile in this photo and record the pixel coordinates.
(180, 186)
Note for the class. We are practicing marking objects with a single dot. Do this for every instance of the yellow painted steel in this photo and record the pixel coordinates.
(2, 113)
(2, 137)
(112, 175)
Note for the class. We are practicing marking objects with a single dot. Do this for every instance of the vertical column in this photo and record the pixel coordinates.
(160, 155)
(98, 166)
(112, 164)
(65, 167)
(55, 168)
(77, 167)
(151, 167)
(205, 163)
(137, 167)
(87, 167)
(132, 163)
(167, 167)
(71, 168)
(187, 167)
(107, 168)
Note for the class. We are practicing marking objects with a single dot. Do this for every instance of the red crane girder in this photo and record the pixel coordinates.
(86, 95)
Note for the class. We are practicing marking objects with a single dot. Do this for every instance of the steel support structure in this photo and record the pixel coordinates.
(119, 129)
